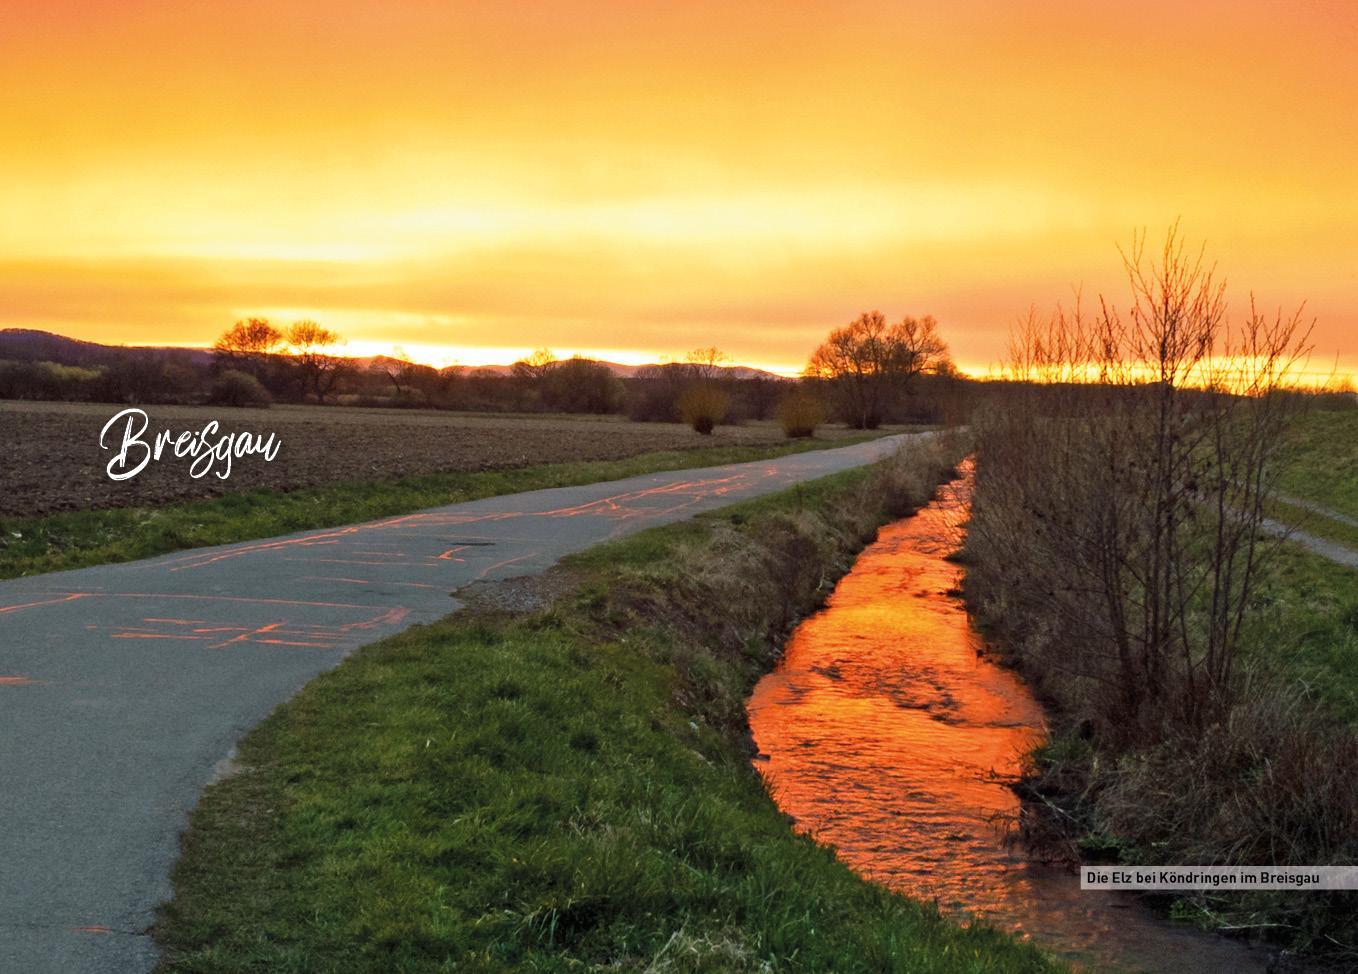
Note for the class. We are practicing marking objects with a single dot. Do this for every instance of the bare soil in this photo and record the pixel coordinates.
(51, 461)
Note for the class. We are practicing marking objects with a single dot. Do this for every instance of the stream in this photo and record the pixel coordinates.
(887, 733)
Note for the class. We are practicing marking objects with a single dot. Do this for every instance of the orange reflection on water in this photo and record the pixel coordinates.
(887, 734)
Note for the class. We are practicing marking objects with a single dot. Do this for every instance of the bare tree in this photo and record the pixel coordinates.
(1121, 489)
(310, 345)
(868, 363)
(399, 370)
(657, 389)
(535, 367)
(247, 343)
(920, 346)
(706, 363)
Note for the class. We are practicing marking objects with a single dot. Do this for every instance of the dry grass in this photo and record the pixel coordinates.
(800, 413)
(702, 407)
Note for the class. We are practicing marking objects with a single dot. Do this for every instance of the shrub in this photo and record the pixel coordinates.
(703, 407)
(581, 385)
(409, 399)
(1115, 543)
(46, 380)
(653, 393)
(648, 403)
(236, 388)
(800, 414)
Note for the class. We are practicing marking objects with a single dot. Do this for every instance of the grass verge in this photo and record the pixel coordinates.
(1313, 522)
(564, 790)
(31, 546)
(1321, 459)
(1306, 629)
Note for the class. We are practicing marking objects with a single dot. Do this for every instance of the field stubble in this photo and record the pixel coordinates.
(53, 462)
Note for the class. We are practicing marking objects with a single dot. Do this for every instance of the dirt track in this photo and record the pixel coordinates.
(50, 458)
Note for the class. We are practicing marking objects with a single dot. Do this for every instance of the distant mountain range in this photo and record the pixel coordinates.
(628, 371)
(32, 345)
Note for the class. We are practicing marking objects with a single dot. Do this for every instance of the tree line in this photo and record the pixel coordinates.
(864, 374)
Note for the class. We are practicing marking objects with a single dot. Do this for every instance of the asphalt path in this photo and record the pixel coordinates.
(123, 687)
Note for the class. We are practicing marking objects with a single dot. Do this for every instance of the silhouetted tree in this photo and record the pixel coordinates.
(395, 368)
(581, 385)
(412, 382)
(246, 344)
(48, 380)
(236, 388)
(868, 363)
(535, 367)
(706, 363)
(530, 375)
(320, 370)
(758, 395)
(655, 391)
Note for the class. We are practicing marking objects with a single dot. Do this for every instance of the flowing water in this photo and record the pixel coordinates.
(886, 733)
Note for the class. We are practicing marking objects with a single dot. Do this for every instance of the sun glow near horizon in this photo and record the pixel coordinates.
(478, 356)
(631, 182)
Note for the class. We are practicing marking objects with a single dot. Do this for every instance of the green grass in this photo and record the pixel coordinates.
(1312, 522)
(30, 546)
(563, 791)
(1321, 459)
(1320, 465)
(1307, 626)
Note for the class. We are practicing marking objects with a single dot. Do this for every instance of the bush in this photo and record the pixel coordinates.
(236, 388)
(409, 399)
(653, 392)
(46, 380)
(703, 407)
(581, 386)
(800, 414)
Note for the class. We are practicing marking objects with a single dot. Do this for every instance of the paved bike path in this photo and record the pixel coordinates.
(122, 686)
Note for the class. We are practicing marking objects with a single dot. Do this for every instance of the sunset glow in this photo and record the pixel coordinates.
(472, 181)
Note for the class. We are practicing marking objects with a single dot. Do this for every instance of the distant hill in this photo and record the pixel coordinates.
(32, 345)
(629, 371)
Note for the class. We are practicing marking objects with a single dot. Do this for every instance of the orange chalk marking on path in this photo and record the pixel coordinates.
(33, 605)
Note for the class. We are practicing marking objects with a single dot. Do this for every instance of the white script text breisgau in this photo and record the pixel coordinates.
(207, 448)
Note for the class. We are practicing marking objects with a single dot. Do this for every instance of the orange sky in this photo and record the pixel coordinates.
(637, 179)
